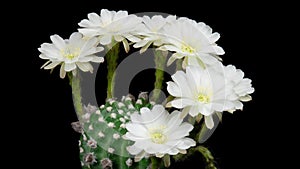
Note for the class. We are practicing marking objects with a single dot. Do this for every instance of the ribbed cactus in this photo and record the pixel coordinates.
(101, 143)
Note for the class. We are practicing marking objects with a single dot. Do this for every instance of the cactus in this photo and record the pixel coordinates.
(101, 143)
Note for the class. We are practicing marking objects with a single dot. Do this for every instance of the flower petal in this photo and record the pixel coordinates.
(194, 111)
(209, 122)
(105, 40)
(137, 129)
(58, 41)
(85, 67)
(52, 65)
(173, 89)
(182, 102)
(70, 66)
(180, 79)
(62, 72)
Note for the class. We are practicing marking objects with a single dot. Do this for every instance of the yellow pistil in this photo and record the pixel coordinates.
(70, 52)
(158, 138)
(203, 98)
(157, 135)
(188, 49)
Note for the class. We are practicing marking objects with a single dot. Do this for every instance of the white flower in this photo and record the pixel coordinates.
(156, 132)
(70, 53)
(192, 41)
(152, 31)
(241, 87)
(199, 91)
(111, 25)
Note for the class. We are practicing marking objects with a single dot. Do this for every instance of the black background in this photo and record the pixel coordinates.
(45, 139)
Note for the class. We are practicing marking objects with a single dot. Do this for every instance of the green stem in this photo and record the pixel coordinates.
(76, 93)
(160, 62)
(208, 158)
(154, 163)
(111, 56)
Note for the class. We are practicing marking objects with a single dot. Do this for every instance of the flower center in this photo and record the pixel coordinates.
(158, 137)
(188, 49)
(203, 98)
(70, 52)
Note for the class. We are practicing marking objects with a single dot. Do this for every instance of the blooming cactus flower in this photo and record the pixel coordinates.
(111, 25)
(70, 53)
(156, 132)
(192, 41)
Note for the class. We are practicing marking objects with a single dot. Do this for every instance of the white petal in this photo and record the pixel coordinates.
(144, 48)
(186, 143)
(209, 122)
(118, 38)
(126, 45)
(246, 98)
(140, 156)
(214, 37)
(174, 120)
(84, 66)
(70, 66)
(174, 57)
(173, 89)
(218, 50)
(52, 65)
(97, 59)
(194, 111)
(180, 132)
(106, 39)
(137, 129)
(185, 111)
(92, 42)
(180, 79)
(144, 110)
(84, 23)
(170, 48)
(133, 150)
(132, 38)
(182, 102)
(89, 32)
(206, 110)
(45, 64)
(94, 18)
(106, 16)
(75, 37)
(140, 43)
(62, 72)
(58, 41)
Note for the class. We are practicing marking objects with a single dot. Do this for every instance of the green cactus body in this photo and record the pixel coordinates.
(101, 143)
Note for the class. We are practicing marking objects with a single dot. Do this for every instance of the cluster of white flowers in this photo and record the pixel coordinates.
(202, 88)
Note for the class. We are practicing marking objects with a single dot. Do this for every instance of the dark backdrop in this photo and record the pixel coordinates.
(46, 139)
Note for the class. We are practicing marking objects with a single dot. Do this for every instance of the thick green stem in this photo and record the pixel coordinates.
(111, 56)
(160, 62)
(76, 93)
